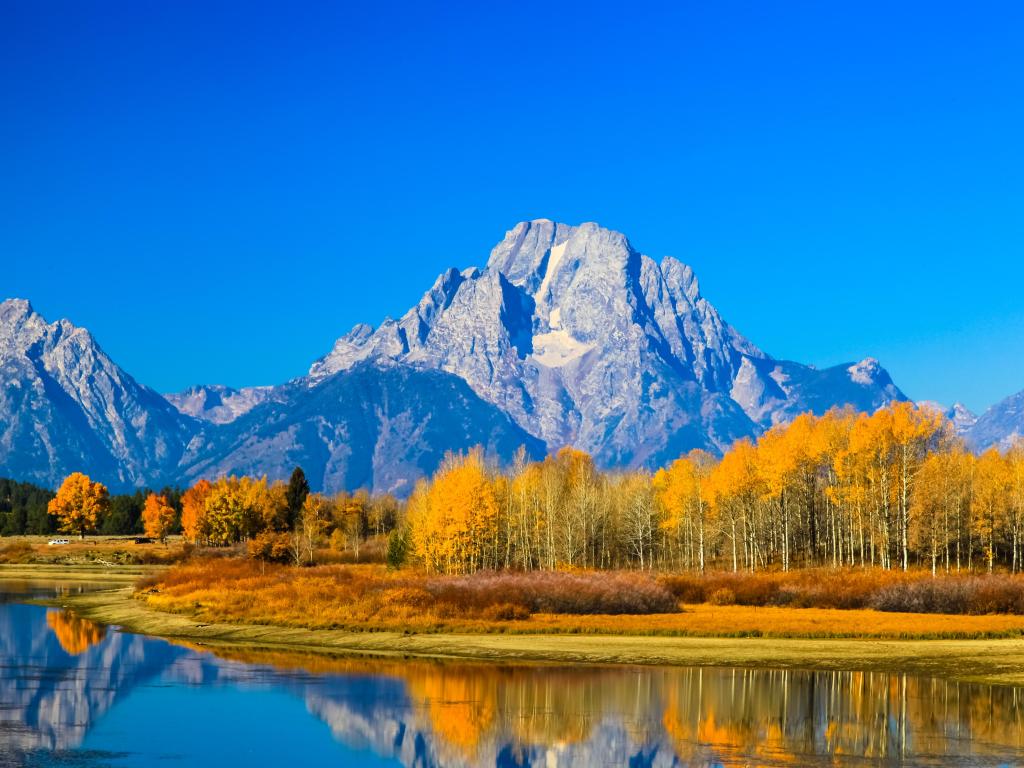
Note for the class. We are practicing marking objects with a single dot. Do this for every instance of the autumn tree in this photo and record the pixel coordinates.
(453, 517)
(991, 500)
(158, 517)
(80, 504)
(684, 492)
(194, 524)
(736, 490)
(914, 432)
(234, 509)
(316, 510)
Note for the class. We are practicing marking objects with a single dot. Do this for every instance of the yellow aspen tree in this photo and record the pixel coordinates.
(991, 497)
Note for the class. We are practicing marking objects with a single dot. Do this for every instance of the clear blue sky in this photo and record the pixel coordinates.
(218, 190)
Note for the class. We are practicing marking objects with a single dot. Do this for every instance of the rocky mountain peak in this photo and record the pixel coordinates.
(70, 406)
(569, 335)
(582, 339)
(867, 371)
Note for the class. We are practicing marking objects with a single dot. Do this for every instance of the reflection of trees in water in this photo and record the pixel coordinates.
(480, 714)
(75, 634)
(472, 714)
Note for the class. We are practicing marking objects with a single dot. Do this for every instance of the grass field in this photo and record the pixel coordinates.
(370, 598)
(93, 550)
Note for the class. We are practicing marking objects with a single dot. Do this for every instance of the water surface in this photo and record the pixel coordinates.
(76, 693)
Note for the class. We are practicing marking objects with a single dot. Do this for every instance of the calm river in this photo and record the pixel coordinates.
(75, 693)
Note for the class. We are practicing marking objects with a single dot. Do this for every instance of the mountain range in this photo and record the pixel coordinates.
(567, 336)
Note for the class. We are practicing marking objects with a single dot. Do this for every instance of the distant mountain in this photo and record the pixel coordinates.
(1000, 426)
(219, 404)
(65, 406)
(363, 428)
(958, 414)
(568, 335)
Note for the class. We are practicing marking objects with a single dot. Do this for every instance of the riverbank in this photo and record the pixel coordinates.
(96, 573)
(994, 661)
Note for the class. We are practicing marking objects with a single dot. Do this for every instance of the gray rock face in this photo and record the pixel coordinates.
(65, 406)
(1001, 426)
(585, 341)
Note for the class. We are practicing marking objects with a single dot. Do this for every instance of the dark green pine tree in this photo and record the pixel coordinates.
(298, 490)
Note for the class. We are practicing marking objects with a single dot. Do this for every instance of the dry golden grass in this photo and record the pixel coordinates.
(370, 598)
(705, 620)
(102, 550)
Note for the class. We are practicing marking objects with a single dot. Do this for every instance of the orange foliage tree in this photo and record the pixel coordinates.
(79, 504)
(158, 517)
(193, 512)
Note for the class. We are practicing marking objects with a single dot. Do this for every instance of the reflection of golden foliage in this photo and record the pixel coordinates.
(75, 634)
(460, 707)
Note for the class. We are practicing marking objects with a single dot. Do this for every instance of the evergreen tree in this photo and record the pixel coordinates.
(298, 490)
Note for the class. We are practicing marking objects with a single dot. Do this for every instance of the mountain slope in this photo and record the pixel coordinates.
(363, 428)
(1001, 425)
(585, 341)
(65, 406)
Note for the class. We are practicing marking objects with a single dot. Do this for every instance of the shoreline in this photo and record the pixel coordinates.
(80, 572)
(990, 661)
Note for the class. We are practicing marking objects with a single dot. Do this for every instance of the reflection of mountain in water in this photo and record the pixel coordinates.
(51, 696)
(462, 715)
(62, 674)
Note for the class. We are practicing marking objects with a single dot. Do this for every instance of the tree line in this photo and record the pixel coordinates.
(24, 509)
(277, 521)
(893, 489)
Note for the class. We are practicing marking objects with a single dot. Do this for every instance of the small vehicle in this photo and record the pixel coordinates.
(56, 542)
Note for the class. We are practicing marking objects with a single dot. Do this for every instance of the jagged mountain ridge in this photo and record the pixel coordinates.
(65, 405)
(584, 340)
(219, 404)
(567, 335)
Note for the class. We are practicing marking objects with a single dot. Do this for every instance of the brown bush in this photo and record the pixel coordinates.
(722, 596)
(854, 588)
(506, 612)
(271, 547)
(17, 552)
(556, 592)
(951, 594)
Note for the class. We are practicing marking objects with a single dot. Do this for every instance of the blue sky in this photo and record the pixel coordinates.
(219, 190)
